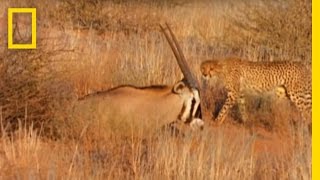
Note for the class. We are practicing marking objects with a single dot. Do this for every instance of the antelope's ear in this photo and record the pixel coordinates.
(178, 87)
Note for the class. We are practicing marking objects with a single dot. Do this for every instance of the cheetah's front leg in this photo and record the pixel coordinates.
(242, 108)
(230, 101)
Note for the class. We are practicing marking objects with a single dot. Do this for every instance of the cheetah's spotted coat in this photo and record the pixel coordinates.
(292, 77)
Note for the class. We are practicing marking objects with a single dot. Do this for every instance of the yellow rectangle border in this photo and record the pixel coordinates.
(33, 12)
(315, 89)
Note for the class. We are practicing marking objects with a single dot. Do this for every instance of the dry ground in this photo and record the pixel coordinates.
(87, 46)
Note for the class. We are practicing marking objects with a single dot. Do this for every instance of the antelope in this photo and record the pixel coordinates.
(150, 107)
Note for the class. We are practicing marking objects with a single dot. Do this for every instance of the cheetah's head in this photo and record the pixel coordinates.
(210, 69)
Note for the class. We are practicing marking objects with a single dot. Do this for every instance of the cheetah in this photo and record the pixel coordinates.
(286, 78)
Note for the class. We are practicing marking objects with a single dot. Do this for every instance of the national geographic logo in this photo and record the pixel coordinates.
(14, 29)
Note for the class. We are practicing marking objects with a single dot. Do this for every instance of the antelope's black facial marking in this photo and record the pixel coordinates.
(198, 112)
(190, 118)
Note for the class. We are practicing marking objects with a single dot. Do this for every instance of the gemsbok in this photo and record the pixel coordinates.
(147, 108)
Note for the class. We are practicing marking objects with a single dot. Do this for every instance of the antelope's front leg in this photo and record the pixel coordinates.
(230, 101)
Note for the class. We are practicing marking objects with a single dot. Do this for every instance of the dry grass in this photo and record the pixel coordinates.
(87, 46)
(228, 152)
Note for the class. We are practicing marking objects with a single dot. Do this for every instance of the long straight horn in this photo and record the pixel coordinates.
(192, 81)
